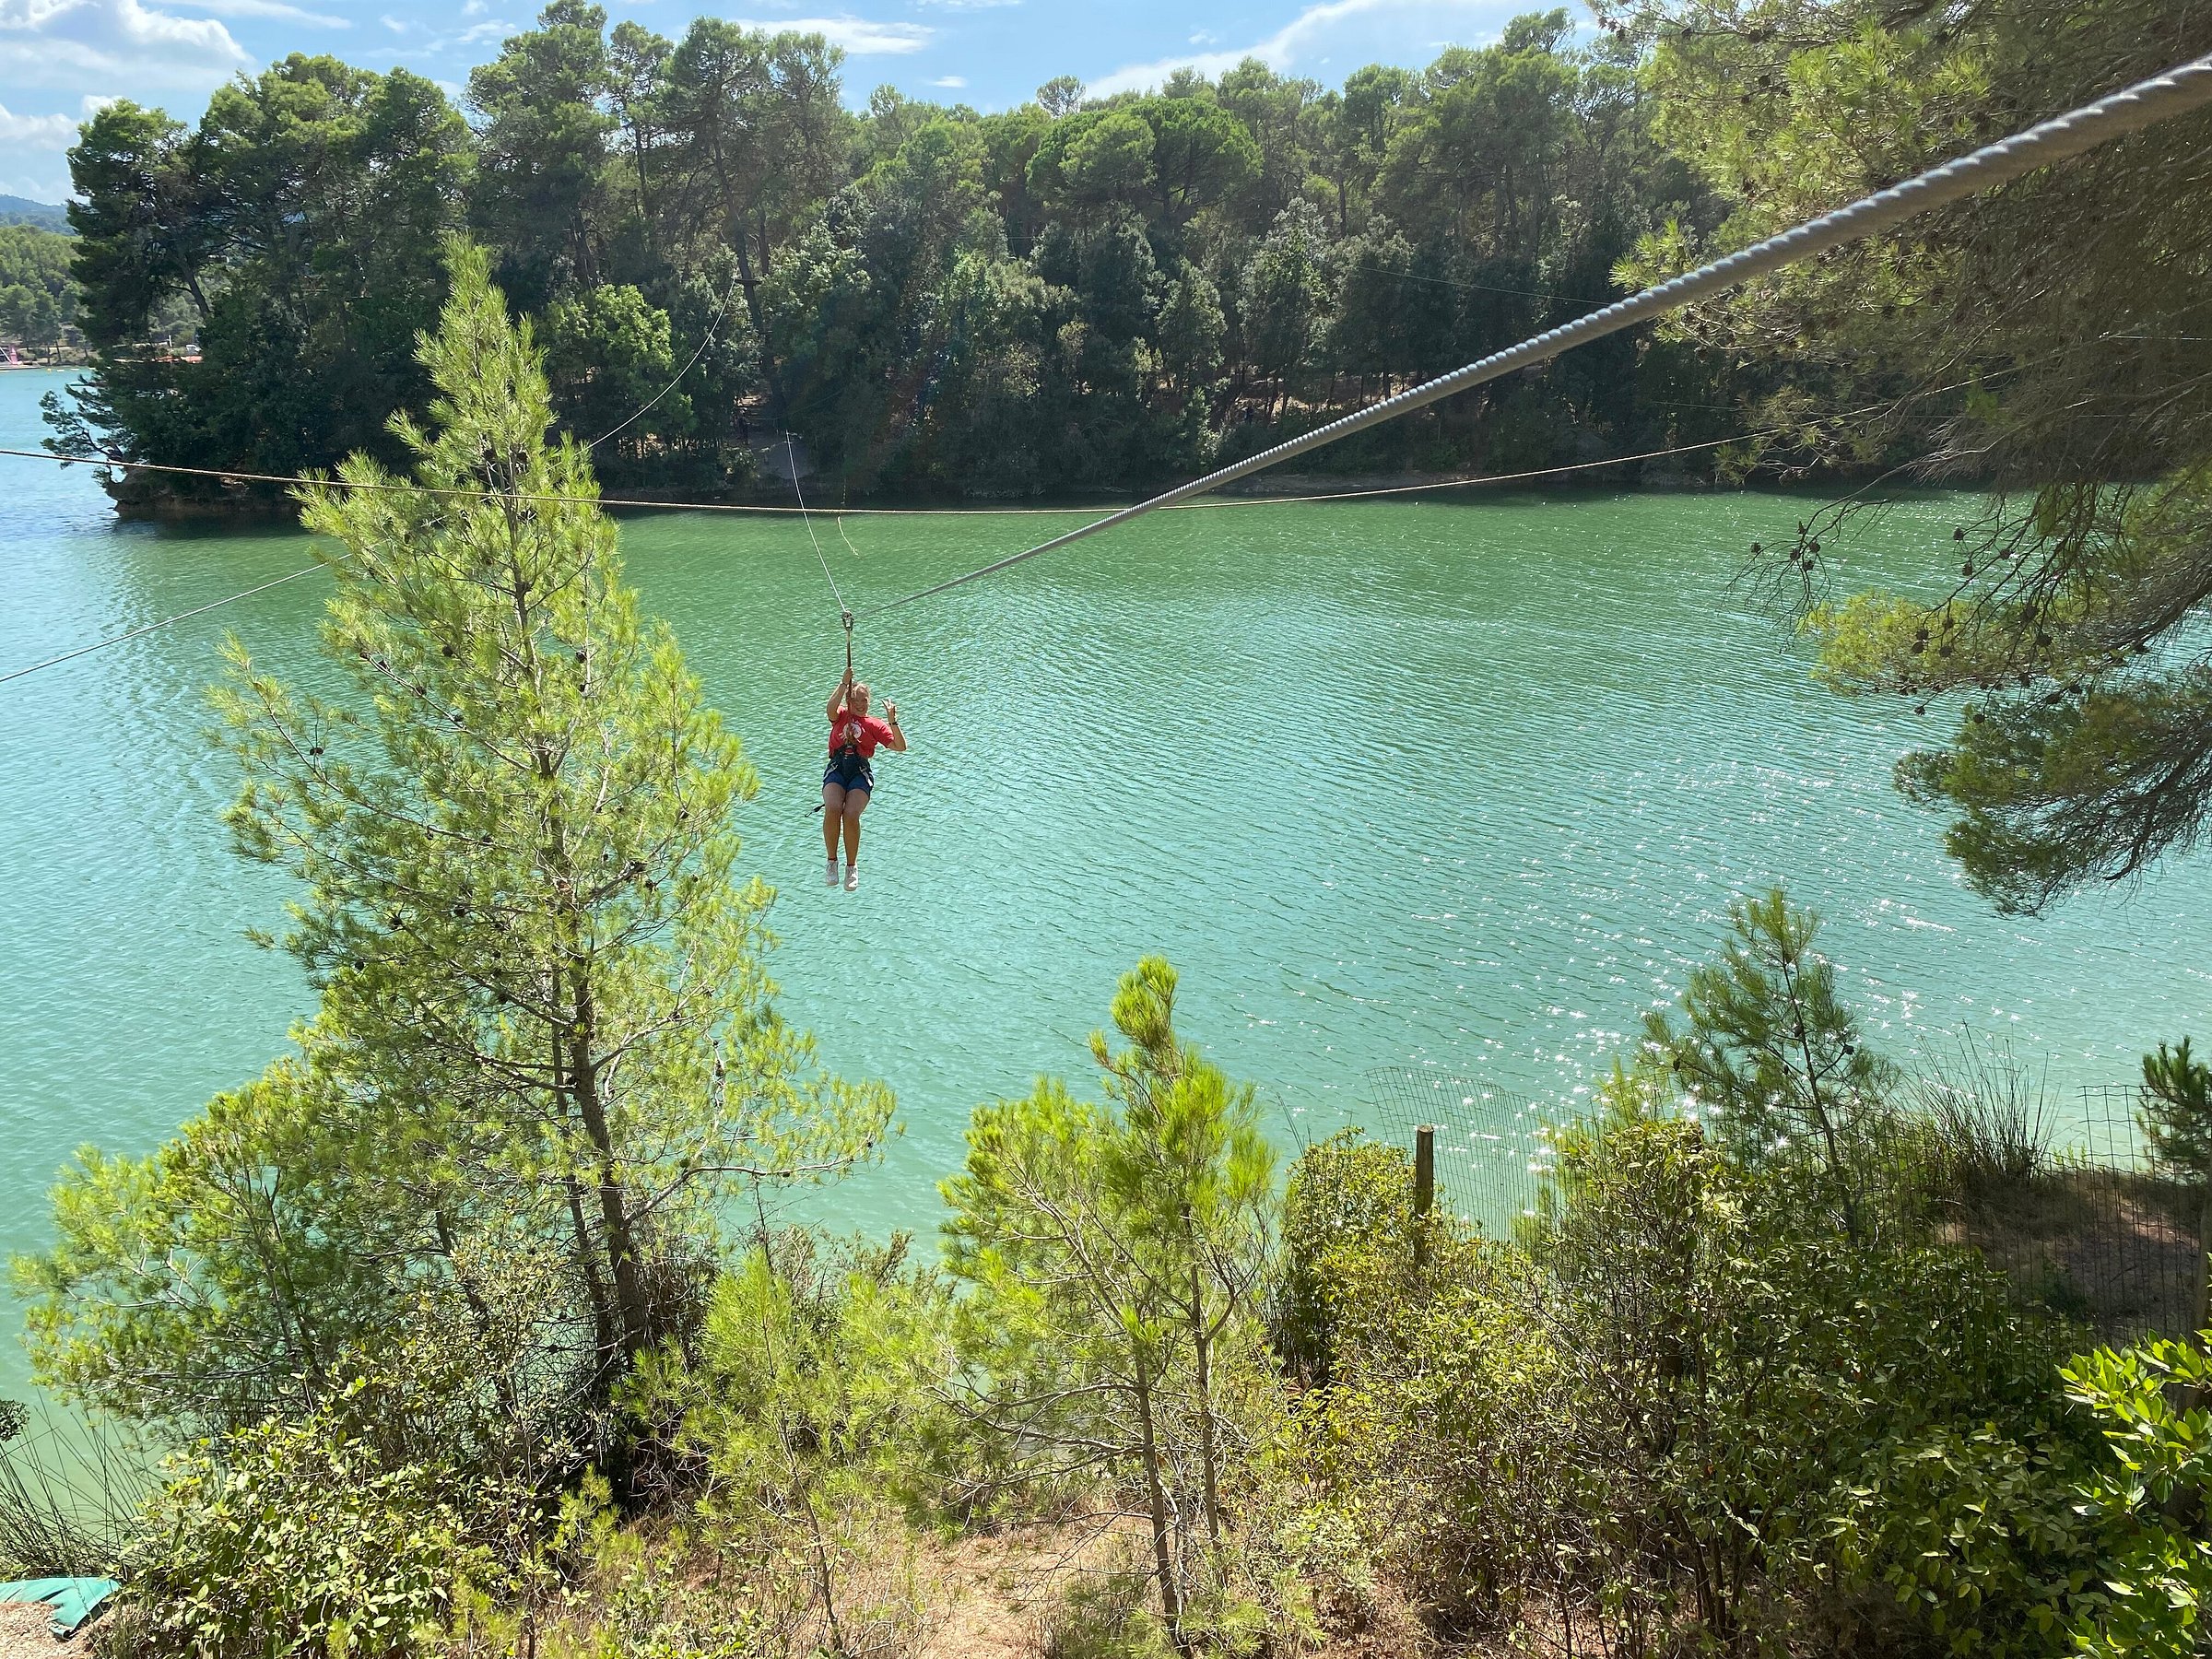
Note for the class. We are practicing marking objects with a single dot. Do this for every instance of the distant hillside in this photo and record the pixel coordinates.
(20, 210)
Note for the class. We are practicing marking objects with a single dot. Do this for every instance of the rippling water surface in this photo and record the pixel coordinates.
(1464, 785)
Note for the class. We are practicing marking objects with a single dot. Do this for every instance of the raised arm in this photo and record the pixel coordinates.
(898, 737)
(837, 698)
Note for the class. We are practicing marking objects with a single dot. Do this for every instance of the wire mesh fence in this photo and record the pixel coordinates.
(2099, 1229)
(1493, 1148)
(2071, 1204)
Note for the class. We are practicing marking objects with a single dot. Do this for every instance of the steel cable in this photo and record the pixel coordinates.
(2180, 90)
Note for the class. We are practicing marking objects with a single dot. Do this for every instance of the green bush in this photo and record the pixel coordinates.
(298, 1537)
(804, 1423)
(1687, 1409)
(1106, 1617)
(2151, 1501)
(1347, 1197)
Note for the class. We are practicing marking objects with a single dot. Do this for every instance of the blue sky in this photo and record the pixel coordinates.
(61, 58)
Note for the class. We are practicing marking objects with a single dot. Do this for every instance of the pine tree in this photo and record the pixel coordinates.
(1765, 1042)
(2177, 1120)
(546, 1043)
(1111, 1259)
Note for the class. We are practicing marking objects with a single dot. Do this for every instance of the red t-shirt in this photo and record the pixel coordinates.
(863, 732)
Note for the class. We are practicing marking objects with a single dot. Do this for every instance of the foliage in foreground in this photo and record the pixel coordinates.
(304, 1535)
(1699, 1403)
(2153, 1500)
(806, 1419)
(1109, 1257)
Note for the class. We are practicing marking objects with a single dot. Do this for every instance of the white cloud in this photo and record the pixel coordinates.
(45, 137)
(49, 183)
(1365, 31)
(264, 8)
(953, 81)
(968, 4)
(67, 43)
(36, 132)
(862, 37)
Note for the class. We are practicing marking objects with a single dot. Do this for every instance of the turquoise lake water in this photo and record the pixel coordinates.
(1458, 785)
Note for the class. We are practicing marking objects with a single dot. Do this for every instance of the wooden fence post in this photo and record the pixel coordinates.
(1424, 1189)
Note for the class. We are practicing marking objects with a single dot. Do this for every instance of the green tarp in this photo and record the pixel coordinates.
(72, 1599)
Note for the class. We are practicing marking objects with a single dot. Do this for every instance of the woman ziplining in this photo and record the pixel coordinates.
(850, 779)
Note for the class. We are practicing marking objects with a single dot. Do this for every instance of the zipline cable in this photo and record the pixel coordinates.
(293, 480)
(148, 628)
(2184, 87)
(1514, 477)
(401, 485)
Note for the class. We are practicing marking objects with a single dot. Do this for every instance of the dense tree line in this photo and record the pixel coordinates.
(38, 298)
(1072, 294)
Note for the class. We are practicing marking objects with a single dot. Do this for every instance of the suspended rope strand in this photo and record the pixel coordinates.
(139, 632)
(714, 328)
(2184, 87)
(1344, 495)
(400, 485)
(67, 656)
(844, 611)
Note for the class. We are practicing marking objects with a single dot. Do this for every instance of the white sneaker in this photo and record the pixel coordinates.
(830, 878)
(851, 878)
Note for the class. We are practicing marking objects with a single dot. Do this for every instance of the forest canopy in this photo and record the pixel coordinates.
(1072, 294)
(38, 298)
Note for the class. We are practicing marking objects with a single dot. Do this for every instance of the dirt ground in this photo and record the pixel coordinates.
(27, 1633)
(995, 1595)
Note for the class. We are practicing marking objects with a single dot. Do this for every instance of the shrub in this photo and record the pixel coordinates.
(1685, 1408)
(1105, 1616)
(68, 1495)
(2152, 1501)
(298, 1537)
(1109, 1257)
(1988, 1115)
(805, 1417)
(1348, 1197)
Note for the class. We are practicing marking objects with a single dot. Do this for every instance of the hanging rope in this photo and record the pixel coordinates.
(68, 656)
(141, 631)
(2180, 90)
(230, 475)
(844, 611)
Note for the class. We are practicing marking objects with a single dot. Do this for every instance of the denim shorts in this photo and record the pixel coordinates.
(849, 772)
